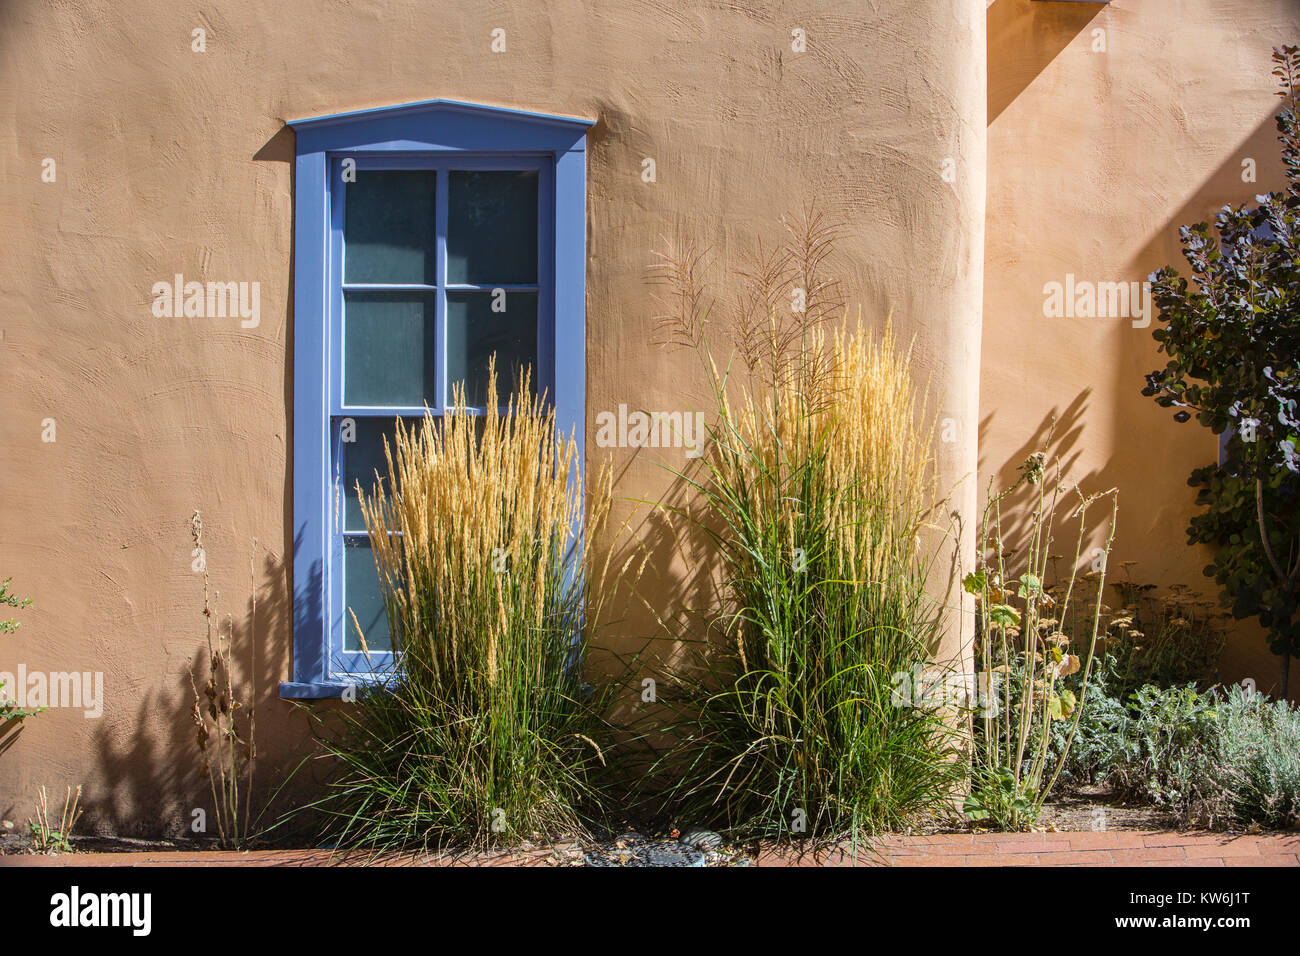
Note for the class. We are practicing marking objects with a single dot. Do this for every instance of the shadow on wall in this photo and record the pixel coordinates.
(663, 586)
(278, 149)
(1223, 186)
(664, 544)
(1066, 429)
(1024, 36)
(150, 783)
(10, 730)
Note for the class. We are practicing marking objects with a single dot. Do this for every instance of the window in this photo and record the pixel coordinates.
(427, 238)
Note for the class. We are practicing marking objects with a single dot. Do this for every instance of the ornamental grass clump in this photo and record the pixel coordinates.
(482, 732)
(816, 493)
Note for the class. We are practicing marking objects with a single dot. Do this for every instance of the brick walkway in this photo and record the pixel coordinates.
(1109, 848)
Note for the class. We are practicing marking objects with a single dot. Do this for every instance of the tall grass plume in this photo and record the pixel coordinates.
(483, 731)
(818, 493)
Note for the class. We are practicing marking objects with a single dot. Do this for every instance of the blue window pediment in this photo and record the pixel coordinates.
(446, 153)
(441, 124)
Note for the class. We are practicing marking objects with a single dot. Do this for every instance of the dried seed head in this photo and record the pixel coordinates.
(1034, 466)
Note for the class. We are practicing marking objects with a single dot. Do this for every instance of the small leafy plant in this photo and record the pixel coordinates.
(1166, 641)
(998, 798)
(1257, 777)
(1220, 757)
(1226, 757)
(9, 709)
(1021, 644)
(45, 836)
(1165, 751)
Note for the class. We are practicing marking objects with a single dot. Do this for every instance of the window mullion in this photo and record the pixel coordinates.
(440, 297)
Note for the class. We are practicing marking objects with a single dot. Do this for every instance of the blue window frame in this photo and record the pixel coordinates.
(414, 258)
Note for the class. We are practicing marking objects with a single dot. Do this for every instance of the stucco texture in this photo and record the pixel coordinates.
(174, 161)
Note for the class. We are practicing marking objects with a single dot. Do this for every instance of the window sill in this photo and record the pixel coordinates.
(315, 690)
(330, 689)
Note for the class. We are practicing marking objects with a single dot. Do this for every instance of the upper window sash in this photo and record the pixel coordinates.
(443, 164)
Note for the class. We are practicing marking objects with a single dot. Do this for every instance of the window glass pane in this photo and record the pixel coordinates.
(389, 228)
(389, 349)
(363, 456)
(362, 597)
(480, 323)
(492, 228)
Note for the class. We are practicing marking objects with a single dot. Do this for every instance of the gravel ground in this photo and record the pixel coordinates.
(1077, 809)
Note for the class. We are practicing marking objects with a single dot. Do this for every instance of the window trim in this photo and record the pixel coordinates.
(448, 131)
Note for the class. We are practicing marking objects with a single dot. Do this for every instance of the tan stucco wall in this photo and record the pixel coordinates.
(1095, 159)
(174, 161)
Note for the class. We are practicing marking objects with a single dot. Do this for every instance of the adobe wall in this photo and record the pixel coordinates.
(174, 161)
